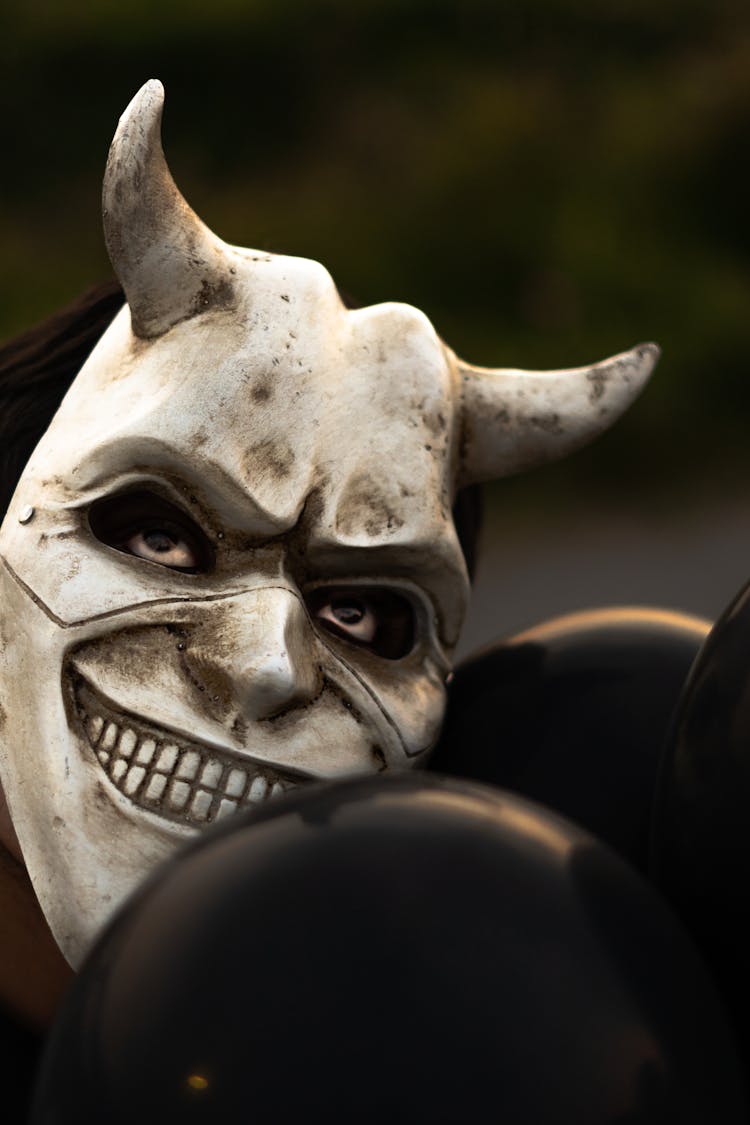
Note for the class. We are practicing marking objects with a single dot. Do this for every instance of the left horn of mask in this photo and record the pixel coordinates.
(170, 265)
(513, 420)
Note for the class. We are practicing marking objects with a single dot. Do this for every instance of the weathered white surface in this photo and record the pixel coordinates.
(313, 445)
(514, 420)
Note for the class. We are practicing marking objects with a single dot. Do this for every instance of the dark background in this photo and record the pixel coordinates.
(552, 181)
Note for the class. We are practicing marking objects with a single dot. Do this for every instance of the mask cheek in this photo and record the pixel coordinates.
(31, 701)
(83, 850)
(403, 699)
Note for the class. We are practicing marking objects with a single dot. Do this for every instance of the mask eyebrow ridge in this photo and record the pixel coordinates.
(214, 490)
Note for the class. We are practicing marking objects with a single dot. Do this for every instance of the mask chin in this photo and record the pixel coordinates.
(8, 837)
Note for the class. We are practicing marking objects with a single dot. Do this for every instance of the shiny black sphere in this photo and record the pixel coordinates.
(701, 835)
(410, 950)
(574, 714)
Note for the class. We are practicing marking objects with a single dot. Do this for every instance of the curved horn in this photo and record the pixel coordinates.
(168, 262)
(513, 420)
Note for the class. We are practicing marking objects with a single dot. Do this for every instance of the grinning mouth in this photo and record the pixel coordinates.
(166, 774)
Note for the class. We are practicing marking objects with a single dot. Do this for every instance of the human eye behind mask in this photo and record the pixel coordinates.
(378, 619)
(155, 530)
(151, 528)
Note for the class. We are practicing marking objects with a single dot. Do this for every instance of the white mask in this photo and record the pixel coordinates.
(230, 564)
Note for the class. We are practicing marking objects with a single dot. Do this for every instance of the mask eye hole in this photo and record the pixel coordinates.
(374, 618)
(149, 527)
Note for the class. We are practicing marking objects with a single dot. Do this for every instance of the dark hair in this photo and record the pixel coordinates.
(37, 367)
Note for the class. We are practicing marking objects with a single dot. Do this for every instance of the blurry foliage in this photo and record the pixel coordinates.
(551, 180)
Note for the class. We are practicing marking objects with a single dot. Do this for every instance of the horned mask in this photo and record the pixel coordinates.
(230, 566)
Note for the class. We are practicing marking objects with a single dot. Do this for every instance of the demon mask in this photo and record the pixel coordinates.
(230, 566)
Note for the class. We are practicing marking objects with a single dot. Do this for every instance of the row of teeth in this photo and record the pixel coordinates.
(181, 781)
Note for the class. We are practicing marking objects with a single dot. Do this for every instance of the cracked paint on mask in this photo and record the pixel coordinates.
(311, 447)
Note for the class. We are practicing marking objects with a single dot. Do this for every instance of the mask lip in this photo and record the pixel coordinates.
(87, 700)
(72, 673)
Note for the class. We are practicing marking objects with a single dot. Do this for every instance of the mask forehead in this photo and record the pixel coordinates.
(288, 405)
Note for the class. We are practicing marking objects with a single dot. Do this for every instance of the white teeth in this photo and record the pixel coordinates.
(226, 808)
(235, 783)
(156, 786)
(135, 776)
(119, 769)
(258, 788)
(179, 791)
(184, 782)
(188, 766)
(146, 751)
(168, 757)
(201, 804)
(211, 773)
(95, 727)
(128, 743)
(109, 738)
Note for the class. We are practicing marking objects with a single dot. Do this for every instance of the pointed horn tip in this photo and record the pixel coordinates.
(147, 103)
(639, 362)
(152, 91)
(647, 355)
(138, 131)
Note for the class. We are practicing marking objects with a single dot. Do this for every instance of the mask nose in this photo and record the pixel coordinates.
(266, 655)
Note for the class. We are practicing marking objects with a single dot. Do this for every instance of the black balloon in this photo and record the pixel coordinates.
(574, 713)
(701, 839)
(410, 950)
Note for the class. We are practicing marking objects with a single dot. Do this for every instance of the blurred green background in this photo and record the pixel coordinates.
(551, 180)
